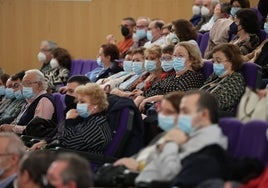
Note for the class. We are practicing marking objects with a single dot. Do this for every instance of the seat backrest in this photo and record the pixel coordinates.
(262, 35)
(252, 74)
(231, 128)
(76, 67)
(88, 66)
(207, 69)
(199, 38)
(204, 43)
(253, 142)
(60, 106)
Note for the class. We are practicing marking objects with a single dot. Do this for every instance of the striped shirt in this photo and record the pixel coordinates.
(91, 134)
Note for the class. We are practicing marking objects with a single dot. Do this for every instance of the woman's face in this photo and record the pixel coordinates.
(181, 52)
(104, 59)
(236, 4)
(92, 108)
(167, 109)
(219, 57)
(153, 57)
(138, 58)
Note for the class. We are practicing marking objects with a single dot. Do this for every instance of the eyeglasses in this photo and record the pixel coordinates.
(167, 58)
(29, 83)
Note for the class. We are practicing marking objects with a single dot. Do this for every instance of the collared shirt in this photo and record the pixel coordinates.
(7, 181)
(160, 41)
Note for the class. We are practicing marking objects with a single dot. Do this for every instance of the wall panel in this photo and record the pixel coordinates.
(79, 26)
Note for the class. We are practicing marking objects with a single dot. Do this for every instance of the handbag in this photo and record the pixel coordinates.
(252, 107)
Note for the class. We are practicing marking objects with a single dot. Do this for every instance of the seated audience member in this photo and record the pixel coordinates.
(246, 22)
(207, 11)
(86, 127)
(39, 102)
(127, 29)
(140, 37)
(108, 54)
(8, 96)
(3, 79)
(237, 5)
(60, 69)
(166, 29)
(196, 10)
(12, 150)
(69, 170)
(33, 168)
(167, 117)
(14, 108)
(187, 64)
(45, 54)
(226, 83)
(110, 39)
(152, 66)
(70, 103)
(154, 34)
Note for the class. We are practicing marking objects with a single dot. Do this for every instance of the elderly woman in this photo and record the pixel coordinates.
(226, 83)
(86, 127)
(247, 25)
(61, 65)
(187, 63)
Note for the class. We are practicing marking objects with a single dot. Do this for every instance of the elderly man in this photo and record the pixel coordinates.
(45, 54)
(196, 9)
(142, 24)
(11, 150)
(39, 102)
(154, 34)
(69, 170)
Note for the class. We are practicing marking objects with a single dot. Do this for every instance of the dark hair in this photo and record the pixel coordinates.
(185, 30)
(158, 24)
(81, 80)
(207, 101)
(78, 170)
(232, 53)
(225, 8)
(130, 19)
(175, 99)
(18, 76)
(169, 49)
(248, 20)
(139, 50)
(243, 3)
(63, 57)
(4, 77)
(110, 50)
(36, 164)
(167, 26)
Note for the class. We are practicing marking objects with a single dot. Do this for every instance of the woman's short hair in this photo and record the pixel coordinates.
(96, 94)
(175, 99)
(110, 50)
(155, 49)
(168, 49)
(184, 30)
(194, 54)
(248, 20)
(139, 50)
(63, 57)
(242, 3)
(232, 53)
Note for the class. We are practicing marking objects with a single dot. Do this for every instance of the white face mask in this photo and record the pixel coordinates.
(41, 57)
(196, 10)
(54, 63)
(204, 11)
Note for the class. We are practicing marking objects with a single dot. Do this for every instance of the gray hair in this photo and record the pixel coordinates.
(39, 77)
(15, 145)
(215, 2)
(148, 20)
(77, 170)
(51, 45)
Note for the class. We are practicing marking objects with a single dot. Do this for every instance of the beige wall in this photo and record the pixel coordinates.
(79, 26)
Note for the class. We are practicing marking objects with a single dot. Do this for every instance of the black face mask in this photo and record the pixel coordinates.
(124, 31)
(233, 29)
(69, 101)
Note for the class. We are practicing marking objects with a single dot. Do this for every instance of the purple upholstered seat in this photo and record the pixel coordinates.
(252, 75)
(253, 142)
(88, 66)
(60, 106)
(199, 38)
(207, 69)
(76, 67)
(231, 128)
(204, 43)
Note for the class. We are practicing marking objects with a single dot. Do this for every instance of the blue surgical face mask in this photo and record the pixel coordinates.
(234, 10)
(137, 67)
(185, 124)
(141, 33)
(2, 90)
(179, 64)
(9, 93)
(127, 66)
(265, 27)
(165, 122)
(149, 35)
(18, 94)
(99, 61)
(27, 92)
(218, 69)
(82, 110)
(167, 65)
(150, 65)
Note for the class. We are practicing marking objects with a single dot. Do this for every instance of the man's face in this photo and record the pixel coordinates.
(188, 106)
(29, 80)
(129, 25)
(208, 4)
(45, 49)
(17, 85)
(9, 83)
(142, 24)
(5, 158)
(70, 87)
(54, 174)
(155, 31)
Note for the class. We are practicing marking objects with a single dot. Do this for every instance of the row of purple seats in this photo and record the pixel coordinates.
(246, 140)
(80, 66)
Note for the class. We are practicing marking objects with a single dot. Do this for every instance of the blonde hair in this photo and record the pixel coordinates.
(96, 94)
(155, 49)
